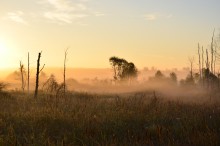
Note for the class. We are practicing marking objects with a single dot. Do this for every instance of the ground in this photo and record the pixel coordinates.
(137, 118)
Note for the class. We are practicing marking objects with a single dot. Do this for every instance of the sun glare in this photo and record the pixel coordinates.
(3, 55)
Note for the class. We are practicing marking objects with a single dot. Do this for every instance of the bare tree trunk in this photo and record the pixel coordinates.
(28, 74)
(191, 61)
(211, 65)
(202, 66)
(64, 74)
(200, 72)
(115, 73)
(37, 74)
(212, 52)
(191, 72)
(22, 76)
(207, 67)
(207, 59)
(215, 60)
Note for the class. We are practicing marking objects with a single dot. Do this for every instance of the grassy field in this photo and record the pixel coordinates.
(141, 119)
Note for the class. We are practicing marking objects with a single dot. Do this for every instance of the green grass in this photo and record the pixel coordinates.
(90, 119)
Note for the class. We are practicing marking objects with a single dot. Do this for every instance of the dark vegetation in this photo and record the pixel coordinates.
(123, 70)
(141, 118)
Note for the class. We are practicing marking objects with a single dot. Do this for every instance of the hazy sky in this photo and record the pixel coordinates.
(161, 33)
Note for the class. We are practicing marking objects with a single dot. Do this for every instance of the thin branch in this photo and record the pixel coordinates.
(42, 68)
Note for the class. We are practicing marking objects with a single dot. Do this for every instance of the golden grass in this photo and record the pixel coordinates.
(91, 119)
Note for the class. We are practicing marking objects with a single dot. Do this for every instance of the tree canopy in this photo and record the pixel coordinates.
(123, 70)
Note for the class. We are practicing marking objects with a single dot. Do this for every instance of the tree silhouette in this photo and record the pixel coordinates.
(28, 74)
(37, 74)
(64, 72)
(123, 70)
(23, 73)
(173, 77)
(51, 85)
(159, 75)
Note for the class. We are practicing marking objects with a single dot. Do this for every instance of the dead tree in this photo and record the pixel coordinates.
(207, 60)
(64, 73)
(207, 70)
(202, 58)
(215, 57)
(212, 52)
(37, 74)
(191, 61)
(22, 71)
(200, 71)
(28, 74)
(202, 66)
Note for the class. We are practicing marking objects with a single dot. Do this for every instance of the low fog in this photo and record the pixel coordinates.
(101, 81)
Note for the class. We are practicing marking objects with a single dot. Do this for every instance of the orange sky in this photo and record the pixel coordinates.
(147, 32)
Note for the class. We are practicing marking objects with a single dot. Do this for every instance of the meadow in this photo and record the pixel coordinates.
(144, 118)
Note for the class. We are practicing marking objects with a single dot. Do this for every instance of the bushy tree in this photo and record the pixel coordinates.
(159, 75)
(189, 80)
(51, 86)
(173, 77)
(123, 70)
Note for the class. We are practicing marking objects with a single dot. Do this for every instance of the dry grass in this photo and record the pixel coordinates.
(90, 119)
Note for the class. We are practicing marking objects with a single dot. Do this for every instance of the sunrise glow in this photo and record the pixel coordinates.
(150, 33)
(4, 52)
(110, 72)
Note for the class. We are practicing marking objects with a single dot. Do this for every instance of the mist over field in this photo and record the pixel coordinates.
(89, 80)
(100, 81)
(120, 105)
(157, 110)
(109, 73)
